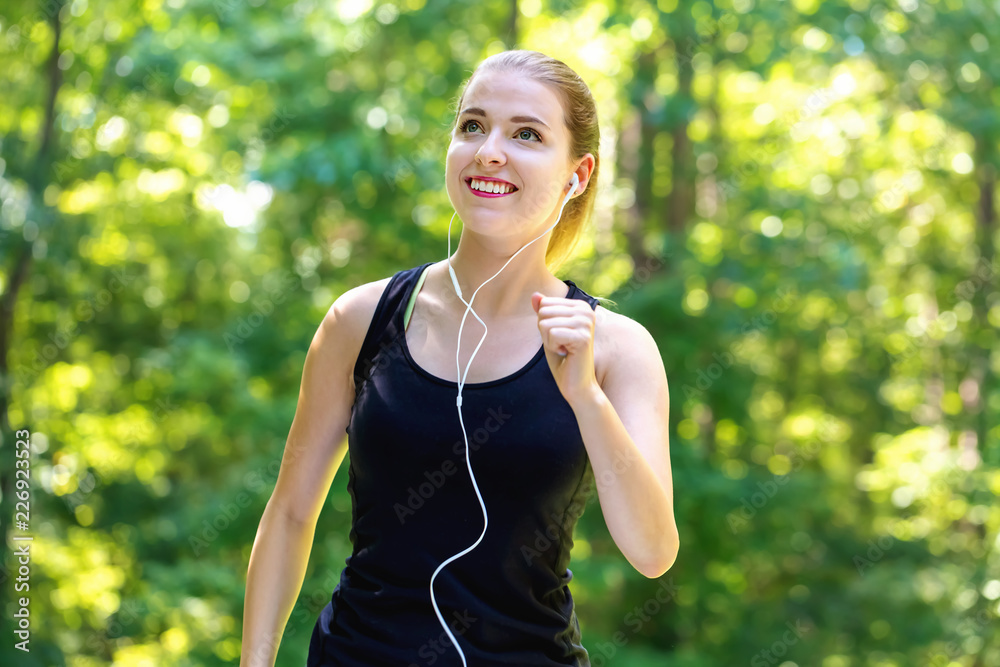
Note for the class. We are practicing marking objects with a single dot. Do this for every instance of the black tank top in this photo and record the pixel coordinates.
(507, 601)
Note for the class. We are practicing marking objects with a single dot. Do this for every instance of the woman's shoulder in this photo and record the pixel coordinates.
(352, 312)
(618, 338)
(355, 309)
(343, 330)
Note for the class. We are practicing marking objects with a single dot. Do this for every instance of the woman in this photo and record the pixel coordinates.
(462, 517)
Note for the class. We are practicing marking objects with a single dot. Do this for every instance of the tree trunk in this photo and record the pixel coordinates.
(680, 199)
(984, 279)
(637, 160)
(512, 26)
(8, 303)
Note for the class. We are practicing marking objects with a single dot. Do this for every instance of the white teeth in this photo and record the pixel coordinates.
(495, 188)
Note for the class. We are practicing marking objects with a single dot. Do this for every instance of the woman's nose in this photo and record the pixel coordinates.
(491, 150)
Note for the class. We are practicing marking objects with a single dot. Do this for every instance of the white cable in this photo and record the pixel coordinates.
(461, 384)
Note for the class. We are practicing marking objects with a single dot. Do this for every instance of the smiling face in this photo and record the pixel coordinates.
(516, 126)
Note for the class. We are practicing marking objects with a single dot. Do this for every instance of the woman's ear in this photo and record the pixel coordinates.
(588, 161)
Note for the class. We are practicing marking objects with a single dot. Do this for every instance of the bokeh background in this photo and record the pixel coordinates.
(798, 199)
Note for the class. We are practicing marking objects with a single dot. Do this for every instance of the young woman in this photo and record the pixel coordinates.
(471, 460)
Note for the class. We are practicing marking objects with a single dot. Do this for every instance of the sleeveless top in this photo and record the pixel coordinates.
(507, 602)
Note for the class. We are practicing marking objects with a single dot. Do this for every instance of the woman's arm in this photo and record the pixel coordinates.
(624, 421)
(277, 567)
(315, 448)
(625, 426)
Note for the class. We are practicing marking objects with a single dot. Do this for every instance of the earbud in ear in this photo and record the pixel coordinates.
(574, 182)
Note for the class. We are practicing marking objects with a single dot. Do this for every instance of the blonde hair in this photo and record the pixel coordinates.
(580, 117)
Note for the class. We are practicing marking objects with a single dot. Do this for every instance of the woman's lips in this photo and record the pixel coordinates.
(492, 195)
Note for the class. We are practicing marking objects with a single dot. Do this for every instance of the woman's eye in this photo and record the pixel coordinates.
(469, 124)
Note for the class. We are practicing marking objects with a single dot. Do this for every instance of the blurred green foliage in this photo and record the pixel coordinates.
(798, 200)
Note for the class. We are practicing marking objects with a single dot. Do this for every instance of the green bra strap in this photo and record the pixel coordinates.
(413, 298)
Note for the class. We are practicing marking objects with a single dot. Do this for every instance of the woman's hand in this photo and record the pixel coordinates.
(567, 328)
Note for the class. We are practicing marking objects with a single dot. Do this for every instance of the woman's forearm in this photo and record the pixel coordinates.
(278, 563)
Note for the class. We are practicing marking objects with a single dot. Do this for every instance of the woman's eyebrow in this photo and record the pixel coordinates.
(476, 111)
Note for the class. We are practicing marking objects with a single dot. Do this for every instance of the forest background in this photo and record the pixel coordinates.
(797, 199)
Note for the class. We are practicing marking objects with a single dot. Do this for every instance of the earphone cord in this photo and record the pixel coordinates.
(461, 384)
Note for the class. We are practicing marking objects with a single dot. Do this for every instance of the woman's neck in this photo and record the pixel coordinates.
(509, 293)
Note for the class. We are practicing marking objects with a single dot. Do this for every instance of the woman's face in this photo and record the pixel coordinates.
(515, 125)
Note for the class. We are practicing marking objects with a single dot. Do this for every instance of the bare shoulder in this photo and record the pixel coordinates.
(347, 321)
(353, 310)
(619, 343)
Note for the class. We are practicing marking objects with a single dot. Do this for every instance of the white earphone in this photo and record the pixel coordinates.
(574, 182)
